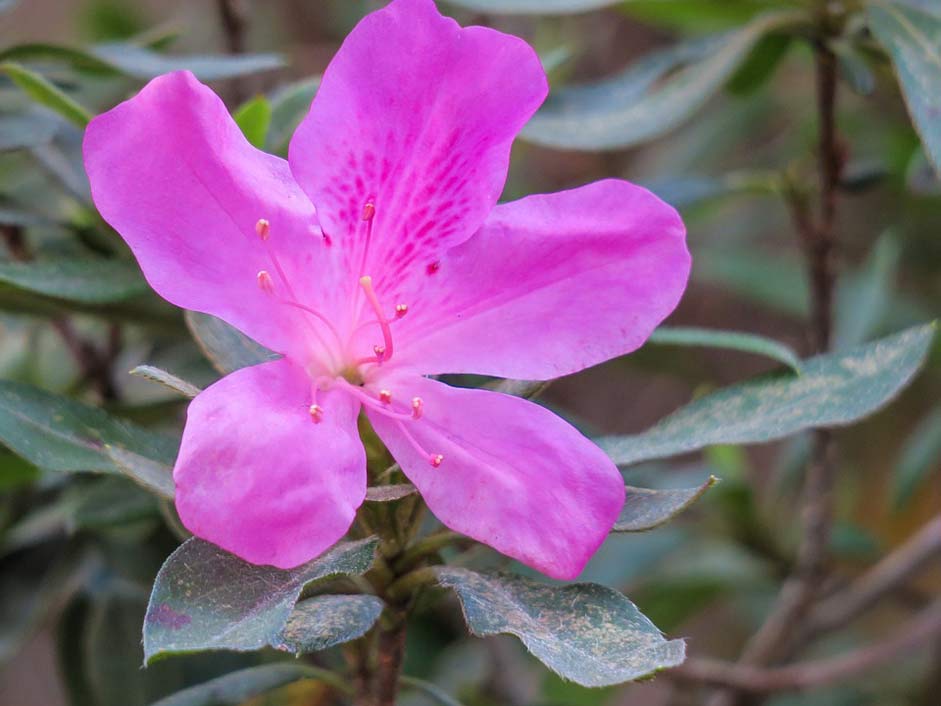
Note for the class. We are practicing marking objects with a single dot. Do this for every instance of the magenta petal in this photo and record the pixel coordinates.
(514, 475)
(172, 173)
(550, 285)
(258, 478)
(416, 116)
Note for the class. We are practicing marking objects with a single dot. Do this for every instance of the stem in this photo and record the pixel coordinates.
(921, 631)
(819, 241)
(234, 17)
(391, 653)
(425, 547)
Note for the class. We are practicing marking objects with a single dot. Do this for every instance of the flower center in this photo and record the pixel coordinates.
(347, 376)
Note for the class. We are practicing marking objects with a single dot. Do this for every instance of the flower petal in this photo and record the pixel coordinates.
(415, 115)
(550, 285)
(173, 174)
(514, 475)
(258, 478)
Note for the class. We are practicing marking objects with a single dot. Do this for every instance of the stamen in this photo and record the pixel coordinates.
(263, 229)
(369, 212)
(316, 413)
(265, 283)
(434, 459)
(385, 396)
(383, 353)
(418, 407)
(401, 310)
(360, 394)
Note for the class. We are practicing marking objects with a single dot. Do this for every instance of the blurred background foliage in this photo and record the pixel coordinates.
(78, 552)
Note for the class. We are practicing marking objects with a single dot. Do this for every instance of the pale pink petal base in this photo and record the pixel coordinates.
(551, 284)
(514, 475)
(258, 478)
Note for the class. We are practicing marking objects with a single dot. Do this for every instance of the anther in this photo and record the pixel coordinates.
(380, 351)
(316, 413)
(369, 210)
(401, 310)
(436, 460)
(385, 396)
(265, 282)
(418, 406)
(263, 228)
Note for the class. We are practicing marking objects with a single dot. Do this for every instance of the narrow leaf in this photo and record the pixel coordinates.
(639, 104)
(585, 632)
(83, 280)
(254, 119)
(44, 92)
(60, 434)
(226, 348)
(27, 130)
(534, 7)
(324, 621)
(645, 509)
(207, 599)
(142, 62)
(913, 39)
(149, 474)
(732, 340)
(162, 377)
(921, 454)
(834, 390)
(238, 687)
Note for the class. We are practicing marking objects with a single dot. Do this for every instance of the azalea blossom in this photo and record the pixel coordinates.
(375, 257)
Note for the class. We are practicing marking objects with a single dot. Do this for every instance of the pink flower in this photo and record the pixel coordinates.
(407, 268)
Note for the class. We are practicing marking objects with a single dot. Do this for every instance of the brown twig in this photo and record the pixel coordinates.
(233, 15)
(887, 575)
(922, 630)
(818, 238)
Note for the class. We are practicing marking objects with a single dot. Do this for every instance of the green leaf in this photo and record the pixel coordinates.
(254, 119)
(226, 348)
(759, 66)
(168, 380)
(142, 62)
(44, 92)
(534, 7)
(836, 389)
(289, 105)
(60, 434)
(639, 104)
(207, 599)
(26, 130)
(112, 502)
(585, 632)
(324, 621)
(238, 687)
(862, 302)
(913, 39)
(149, 474)
(15, 472)
(645, 509)
(920, 456)
(732, 340)
(87, 281)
